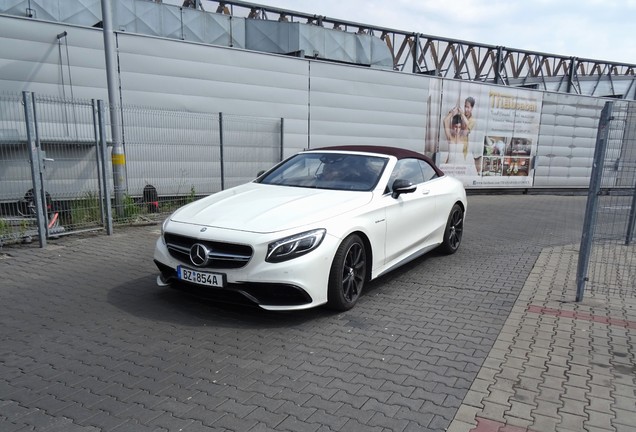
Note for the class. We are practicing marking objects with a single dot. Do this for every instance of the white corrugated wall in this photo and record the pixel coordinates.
(322, 103)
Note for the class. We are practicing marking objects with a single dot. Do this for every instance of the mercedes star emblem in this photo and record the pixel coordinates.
(199, 254)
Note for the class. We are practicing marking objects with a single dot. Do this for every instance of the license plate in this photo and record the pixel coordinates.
(200, 278)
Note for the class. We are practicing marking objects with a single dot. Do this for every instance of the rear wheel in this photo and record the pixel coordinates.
(454, 230)
(348, 274)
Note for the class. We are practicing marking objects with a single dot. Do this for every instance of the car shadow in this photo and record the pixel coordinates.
(143, 299)
(404, 269)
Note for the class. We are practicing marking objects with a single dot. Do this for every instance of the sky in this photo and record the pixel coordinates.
(589, 29)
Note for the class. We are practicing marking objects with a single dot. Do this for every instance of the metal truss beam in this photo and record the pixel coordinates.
(458, 59)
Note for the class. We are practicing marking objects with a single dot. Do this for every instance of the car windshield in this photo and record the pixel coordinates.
(338, 171)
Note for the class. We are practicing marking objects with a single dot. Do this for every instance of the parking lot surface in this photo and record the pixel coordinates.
(88, 342)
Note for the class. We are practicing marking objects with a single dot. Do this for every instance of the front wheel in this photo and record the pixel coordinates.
(454, 230)
(348, 274)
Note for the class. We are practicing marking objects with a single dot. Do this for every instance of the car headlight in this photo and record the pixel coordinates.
(163, 229)
(294, 246)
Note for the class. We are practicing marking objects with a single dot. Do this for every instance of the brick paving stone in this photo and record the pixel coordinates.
(544, 423)
(133, 426)
(235, 424)
(520, 410)
(480, 385)
(517, 422)
(575, 407)
(200, 413)
(575, 393)
(348, 411)
(504, 385)
(494, 411)
(623, 417)
(267, 418)
(466, 415)
(624, 390)
(355, 401)
(599, 420)
(104, 421)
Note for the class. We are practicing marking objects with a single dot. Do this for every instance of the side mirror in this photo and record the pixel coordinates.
(260, 173)
(401, 186)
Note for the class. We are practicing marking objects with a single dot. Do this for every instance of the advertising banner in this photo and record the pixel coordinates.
(488, 135)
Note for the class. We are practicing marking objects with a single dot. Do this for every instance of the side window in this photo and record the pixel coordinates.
(407, 169)
(427, 170)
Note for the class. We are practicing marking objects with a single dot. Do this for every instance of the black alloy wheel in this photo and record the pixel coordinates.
(454, 230)
(348, 274)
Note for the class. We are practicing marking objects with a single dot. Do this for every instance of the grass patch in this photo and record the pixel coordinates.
(86, 210)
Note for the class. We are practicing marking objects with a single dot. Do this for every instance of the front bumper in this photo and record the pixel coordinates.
(300, 283)
(262, 294)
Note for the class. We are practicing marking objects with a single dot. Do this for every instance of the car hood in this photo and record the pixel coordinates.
(261, 208)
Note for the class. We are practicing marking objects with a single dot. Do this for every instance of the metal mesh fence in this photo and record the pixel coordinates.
(172, 158)
(250, 145)
(175, 157)
(63, 139)
(612, 256)
(14, 160)
(70, 170)
(14, 169)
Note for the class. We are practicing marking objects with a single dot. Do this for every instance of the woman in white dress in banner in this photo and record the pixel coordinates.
(453, 129)
(458, 151)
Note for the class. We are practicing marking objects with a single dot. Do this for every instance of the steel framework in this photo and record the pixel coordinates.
(452, 58)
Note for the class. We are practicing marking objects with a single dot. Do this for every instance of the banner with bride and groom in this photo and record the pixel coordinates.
(485, 136)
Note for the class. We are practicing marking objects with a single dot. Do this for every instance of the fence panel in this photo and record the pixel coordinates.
(15, 177)
(67, 134)
(611, 259)
(172, 157)
(250, 145)
(66, 137)
(175, 157)
(15, 171)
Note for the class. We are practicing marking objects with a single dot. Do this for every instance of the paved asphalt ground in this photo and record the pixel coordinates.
(487, 339)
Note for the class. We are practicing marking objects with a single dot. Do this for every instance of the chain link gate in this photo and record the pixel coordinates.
(607, 256)
(54, 164)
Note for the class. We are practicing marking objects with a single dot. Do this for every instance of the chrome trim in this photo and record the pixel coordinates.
(212, 255)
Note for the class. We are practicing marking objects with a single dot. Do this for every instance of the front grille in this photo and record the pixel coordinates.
(221, 256)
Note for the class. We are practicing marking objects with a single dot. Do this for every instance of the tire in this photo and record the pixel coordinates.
(454, 230)
(348, 274)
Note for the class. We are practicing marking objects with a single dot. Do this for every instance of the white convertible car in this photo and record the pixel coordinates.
(315, 228)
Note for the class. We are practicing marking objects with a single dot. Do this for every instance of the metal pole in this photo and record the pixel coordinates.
(592, 200)
(34, 155)
(416, 51)
(98, 157)
(42, 161)
(498, 65)
(103, 147)
(221, 150)
(118, 155)
(571, 74)
(632, 220)
(282, 138)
